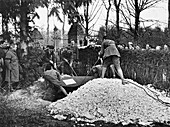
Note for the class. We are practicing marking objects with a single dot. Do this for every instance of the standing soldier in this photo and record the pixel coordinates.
(111, 56)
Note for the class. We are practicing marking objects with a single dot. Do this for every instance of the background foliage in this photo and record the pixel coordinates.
(32, 66)
(143, 66)
(152, 36)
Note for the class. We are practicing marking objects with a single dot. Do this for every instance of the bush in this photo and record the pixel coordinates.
(143, 66)
(32, 66)
(148, 66)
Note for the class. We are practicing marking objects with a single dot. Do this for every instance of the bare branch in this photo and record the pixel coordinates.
(104, 4)
(126, 18)
(149, 4)
(132, 4)
(119, 3)
(94, 12)
(95, 22)
(94, 15)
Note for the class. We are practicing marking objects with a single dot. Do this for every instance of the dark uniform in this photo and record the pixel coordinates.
(110, 53)
(111, 57)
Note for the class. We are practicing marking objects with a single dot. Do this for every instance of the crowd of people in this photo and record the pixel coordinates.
(58, 62)
(131, 46)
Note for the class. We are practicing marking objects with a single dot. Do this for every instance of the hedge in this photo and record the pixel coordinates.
(143, 66)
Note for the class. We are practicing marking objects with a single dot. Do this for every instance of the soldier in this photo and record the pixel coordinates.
(111, 56)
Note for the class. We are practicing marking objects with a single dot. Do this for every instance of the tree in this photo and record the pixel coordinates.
(53, 11)
(169, 18)
(92, 11)
(107, 15)
(21, 13)
(28, 7)
(75, 4)
(117, 4)
(169, 15)
(86, 16)
(134, 9)
(21, 9)
(3, 10)
(67, 9)
(152, 36)
(72, 9)
(7, 10)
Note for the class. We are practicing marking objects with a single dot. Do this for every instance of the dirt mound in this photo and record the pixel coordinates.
(109, 100)
(28, 98)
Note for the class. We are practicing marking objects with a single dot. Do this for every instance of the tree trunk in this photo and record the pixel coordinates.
(136, 29)
(23, 21)
(169, 17)
(63, 28)
(137, 16)
(117, 6)
(107, 16)
(117, 26)
(5, 27)
(5, 18)
(47, 25)
(23, 27)
(4, 23)
(86, 14)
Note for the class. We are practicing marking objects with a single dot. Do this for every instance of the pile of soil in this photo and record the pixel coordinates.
(26, 108)
(109, 100)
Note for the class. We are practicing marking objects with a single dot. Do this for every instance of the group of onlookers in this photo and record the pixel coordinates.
(131, 46)
(9, 63)
(10, 67)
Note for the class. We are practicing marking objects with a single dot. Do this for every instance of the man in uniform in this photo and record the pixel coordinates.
(111, 56)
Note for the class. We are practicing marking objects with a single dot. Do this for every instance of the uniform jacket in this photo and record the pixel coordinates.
(108, 48)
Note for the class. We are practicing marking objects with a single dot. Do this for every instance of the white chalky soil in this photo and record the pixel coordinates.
(109, 100)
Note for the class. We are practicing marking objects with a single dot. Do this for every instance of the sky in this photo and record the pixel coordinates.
(159, 12)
